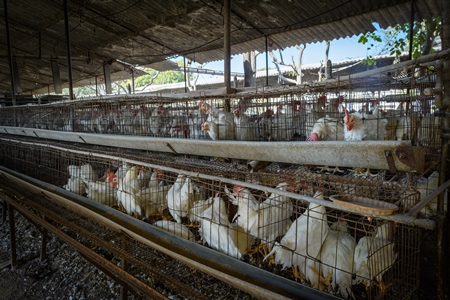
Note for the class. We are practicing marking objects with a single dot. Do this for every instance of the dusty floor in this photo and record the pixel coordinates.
(63, 275)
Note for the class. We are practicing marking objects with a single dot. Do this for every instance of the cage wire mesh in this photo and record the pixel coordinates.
(268, 230)
(388, 106)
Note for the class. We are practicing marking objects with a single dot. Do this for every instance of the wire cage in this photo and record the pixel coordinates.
(380, 107)
(257, 217)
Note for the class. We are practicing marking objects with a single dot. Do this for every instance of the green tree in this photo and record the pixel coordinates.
(395, 40)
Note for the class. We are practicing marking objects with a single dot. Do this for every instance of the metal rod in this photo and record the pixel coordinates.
(367, 154)
(10, 58)
(96, 86)
(227, 42)
(125, 266)
(411, 31)
(258, 282)
(4, 207)
(98, 261)
(399, 218)
(184, 72)
(12, 236)
(132, 81)
(43, 254)
(267, 60)
(209, 72)
(69, 59)
(442, 237)
(425, 201)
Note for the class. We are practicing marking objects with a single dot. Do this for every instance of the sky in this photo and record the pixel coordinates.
(341, 49)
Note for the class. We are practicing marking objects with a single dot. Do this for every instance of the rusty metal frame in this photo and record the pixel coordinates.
(255, 281)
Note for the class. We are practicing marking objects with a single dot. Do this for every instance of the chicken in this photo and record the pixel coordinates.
(219, 125)
(127, 200)
(159, 122)
(429, 131)
(181, 197)
(364, 126)
(198, 208)
(336, 258)
(132, 182)
(122, 170)
(215, 115)
(245, 130)
(374, 255)
(265, 124)
(425, 186)
(152, 199)
(104, 192)
(216, 230)
(87, 173)
(283, 124)
(75, 185)
(316, 112)
(128, 187)
(403, 129)
(327, 129)
(218, 131)
(266, 220)
(74, 171)
(175, 228)
(302, 243)
(332, 109)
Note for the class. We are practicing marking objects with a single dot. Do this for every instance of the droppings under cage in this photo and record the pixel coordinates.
(258, 217)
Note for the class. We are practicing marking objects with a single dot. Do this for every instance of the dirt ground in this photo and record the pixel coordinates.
(62, 275)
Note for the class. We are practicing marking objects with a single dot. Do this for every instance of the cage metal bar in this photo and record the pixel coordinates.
(106, 266)
(416, 209)
(12, 235)
(368, 154)
(258, 282)
(400, 218)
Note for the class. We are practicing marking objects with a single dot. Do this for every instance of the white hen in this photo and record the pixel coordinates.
(327, 129)
(374, 255)
(364, 126)
(88, 173)
(152, 200)
(176, 228)
(216, 230)
(336, 256)
(245, 130)
(302, 243)
(266, 220)
(181, 197)
(75, 185)
(219, 131)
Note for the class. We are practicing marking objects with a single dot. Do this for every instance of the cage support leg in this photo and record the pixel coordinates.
(43, 254)
(125, 266)
(12, 236)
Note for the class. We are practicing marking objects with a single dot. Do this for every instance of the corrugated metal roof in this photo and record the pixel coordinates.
(147, 32)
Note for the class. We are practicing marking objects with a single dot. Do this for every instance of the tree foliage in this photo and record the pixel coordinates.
(121, 87)
(395, 40)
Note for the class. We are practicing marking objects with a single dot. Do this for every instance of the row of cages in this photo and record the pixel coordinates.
(397, 112)
(334, 250)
